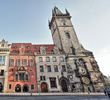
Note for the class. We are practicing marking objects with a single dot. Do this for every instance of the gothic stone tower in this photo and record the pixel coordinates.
(83, 70)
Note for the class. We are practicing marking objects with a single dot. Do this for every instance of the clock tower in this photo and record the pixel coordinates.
(63, 32)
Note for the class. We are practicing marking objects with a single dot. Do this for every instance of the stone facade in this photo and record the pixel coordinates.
(22, 70)
(4, 63)
(65, 66)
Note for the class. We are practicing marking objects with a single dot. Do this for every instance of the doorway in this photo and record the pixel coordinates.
(18, 88)
(1, 87)
(64, 86)
(25, 88)
(44, 87)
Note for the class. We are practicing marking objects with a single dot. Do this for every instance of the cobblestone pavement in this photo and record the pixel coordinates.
(78, 97)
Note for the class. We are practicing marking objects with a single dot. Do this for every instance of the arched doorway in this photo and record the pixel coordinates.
(64, 86)
(25, 88)
(44, 87)
(18, 88)
(1, 87)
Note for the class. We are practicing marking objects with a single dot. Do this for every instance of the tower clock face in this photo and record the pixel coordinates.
(82, 70)
(85, 80)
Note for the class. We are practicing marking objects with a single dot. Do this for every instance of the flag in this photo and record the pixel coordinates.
(60, 64)
(45, 66)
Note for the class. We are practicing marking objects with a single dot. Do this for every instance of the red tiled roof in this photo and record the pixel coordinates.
(32, 47)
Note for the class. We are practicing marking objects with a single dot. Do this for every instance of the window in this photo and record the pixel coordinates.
(63, 68)
(29, 51)
(31, 62)
(25, 62)
(46, 47)
(40, 59)
(43, 51)
(67, 35)
(56, 51)
(32, 86)
(54, 59)
(42, 78)
(61, 59)
(28, 47)
(18, 62)
(41, 69)
(2, 60)
(47, 59)
(16, 77)
(21, 76)
(27, 77)
(14, 51)
(55, 68)
(12, 62)
(30, 70)
(2, 73)
(2, 45)
(14, 47)
(9, 86)
(53, 82)
(12, 70)
(37, 47)
(48, 68)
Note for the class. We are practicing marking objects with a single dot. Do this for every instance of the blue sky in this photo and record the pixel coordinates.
(27, 21)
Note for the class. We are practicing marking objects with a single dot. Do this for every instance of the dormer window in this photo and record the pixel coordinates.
(56, 51)
(14, 51)
(28, 47)
(2, 45)
(29, 51)
(46, 47)
(37, 47)
(14, 47)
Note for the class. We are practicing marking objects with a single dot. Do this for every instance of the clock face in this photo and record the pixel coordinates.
(82, 70)
(85, 80)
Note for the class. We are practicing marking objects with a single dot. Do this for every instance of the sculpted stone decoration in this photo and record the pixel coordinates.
(94, 64)
(85, 80)
(82, 70)
(99, 78)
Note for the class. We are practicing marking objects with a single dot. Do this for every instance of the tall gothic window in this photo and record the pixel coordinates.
(67, 35)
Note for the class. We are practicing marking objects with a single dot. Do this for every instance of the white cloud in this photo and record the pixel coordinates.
(103, 59)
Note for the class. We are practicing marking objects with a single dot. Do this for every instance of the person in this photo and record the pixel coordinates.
(105, 92)
(88, 90)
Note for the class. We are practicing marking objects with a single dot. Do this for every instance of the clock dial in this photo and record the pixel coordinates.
(82, 70)
(85, 80)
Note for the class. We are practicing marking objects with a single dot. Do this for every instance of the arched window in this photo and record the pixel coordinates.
(67, 35)
(29, 51)
(14, 51)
